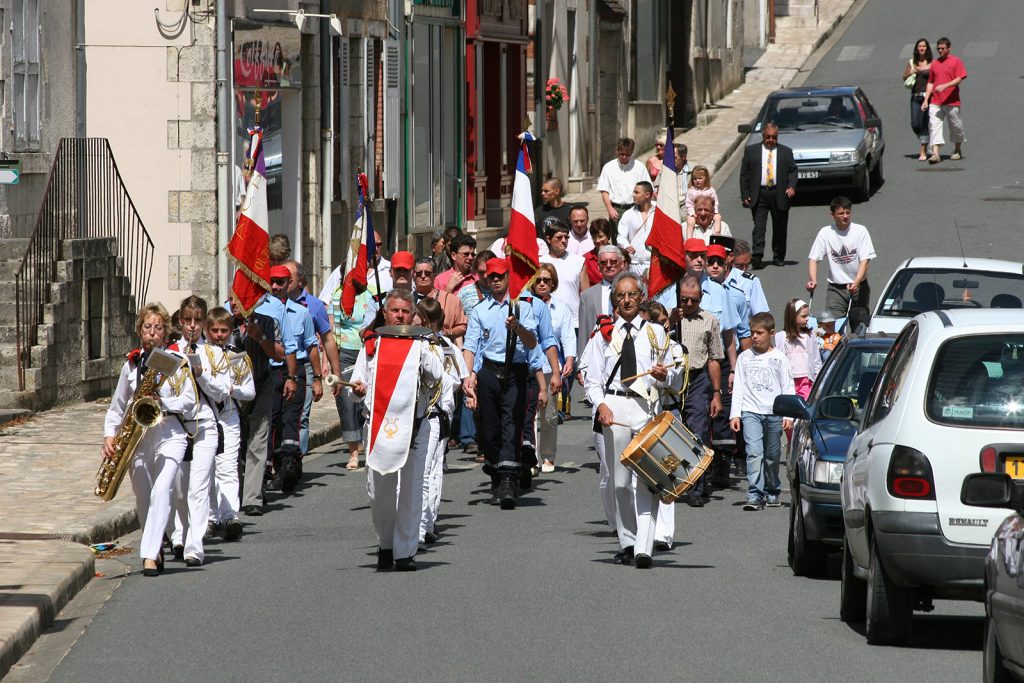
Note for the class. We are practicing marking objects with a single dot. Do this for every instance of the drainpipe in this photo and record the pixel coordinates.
(326, 148)
(225, 191)
(80, 66)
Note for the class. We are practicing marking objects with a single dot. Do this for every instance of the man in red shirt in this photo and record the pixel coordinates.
(942, 99)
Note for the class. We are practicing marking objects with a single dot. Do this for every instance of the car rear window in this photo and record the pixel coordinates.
(978, 381)
(921, 290)
(804, 113)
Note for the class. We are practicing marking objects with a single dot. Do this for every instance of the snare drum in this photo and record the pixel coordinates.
(667, 457)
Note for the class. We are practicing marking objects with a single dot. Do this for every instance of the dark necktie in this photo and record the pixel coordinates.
(628, 367)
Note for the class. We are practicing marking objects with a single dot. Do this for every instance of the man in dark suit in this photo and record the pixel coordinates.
(767, 183)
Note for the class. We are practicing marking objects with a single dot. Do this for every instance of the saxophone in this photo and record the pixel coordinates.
(143, 411)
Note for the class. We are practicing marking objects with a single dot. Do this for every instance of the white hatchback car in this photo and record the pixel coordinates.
(949, 401)
(927, 283)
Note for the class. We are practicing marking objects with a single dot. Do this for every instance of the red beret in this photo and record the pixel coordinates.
(403, 259)
(280, 272)
(716, 250)
(694, 245)
(497, 266)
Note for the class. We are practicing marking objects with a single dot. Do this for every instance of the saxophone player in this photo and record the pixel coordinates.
(162, 447)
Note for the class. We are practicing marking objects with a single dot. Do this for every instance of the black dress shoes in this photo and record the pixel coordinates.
(179, 552)
(385, 559)
(624, 556)
(643, 561)
(694, 501)
(193, 562)
(150, 571)
(252, 510)
(662, 546)
(779, 262)
(506, 493)
(756, 263)
(405, 564)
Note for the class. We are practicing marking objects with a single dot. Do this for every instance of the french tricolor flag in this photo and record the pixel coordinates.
(362, 249)
(250, 245)
(521, 242)
(666, 239)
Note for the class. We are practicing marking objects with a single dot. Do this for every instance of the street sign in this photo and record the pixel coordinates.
(10, 171)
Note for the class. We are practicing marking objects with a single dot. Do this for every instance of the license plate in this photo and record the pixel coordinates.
(1015, 466)
(806, 174)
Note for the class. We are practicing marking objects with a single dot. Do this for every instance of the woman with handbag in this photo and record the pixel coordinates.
(915, 79)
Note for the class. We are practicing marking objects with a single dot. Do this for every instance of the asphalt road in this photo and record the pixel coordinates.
(532, 593)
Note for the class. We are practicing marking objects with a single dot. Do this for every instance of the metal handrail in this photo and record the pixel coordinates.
(85, 197)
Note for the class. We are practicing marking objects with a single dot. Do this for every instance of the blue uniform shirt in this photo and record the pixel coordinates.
(750, 285)
(317, 310)
(544, 330)
(272, 307)
(742, 310)
(715, 300)
(486, 333)
(300, 324)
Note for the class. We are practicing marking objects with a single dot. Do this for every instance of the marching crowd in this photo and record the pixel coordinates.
(494, 373)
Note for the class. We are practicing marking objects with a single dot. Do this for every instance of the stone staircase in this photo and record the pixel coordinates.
(791, 14)
(11, 399)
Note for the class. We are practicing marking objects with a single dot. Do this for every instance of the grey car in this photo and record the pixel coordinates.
(834, 132)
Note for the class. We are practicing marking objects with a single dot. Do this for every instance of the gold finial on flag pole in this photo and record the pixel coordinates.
(670, 103)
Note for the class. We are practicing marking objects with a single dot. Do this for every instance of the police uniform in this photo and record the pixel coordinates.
(287, 413)
(750, 285)
(632, 407)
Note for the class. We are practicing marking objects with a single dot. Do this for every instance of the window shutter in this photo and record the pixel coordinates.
(392, 124)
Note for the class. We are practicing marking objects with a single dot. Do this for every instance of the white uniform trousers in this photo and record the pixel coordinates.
(937, 113)
(224, 492)
(152, 473)
(665, 530)
(433, 475)
(193, 500)
(546, 425)
(636, 508)
(604, 485)
(396, 499)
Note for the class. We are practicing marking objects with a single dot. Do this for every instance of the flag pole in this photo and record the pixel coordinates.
(670, 148)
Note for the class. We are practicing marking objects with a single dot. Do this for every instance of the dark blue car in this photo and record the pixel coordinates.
(823, 428)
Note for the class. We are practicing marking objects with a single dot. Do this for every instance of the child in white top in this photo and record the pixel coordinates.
(762, 374)
(800, 345)
(700, 186)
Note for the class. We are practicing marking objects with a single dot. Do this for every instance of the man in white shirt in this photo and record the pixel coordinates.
(382, 275)
(571, 269)
(635, 226)
(849, 251)
(580, 242)
(618, 178)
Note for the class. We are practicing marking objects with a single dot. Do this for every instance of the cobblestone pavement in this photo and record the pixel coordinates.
(48, 462)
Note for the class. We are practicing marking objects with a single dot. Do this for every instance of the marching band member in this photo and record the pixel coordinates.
(162, 447)
(238, 367)
(399, 436)
(440, 414)
(497, 350)
(214, 389)
(633, 348)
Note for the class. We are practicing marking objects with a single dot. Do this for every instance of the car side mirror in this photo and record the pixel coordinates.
(873, 123)
(837, 408)
(791, 405)
(746, 128)
(988, 490)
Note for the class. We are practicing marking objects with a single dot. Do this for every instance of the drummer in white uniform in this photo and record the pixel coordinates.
(635, 347)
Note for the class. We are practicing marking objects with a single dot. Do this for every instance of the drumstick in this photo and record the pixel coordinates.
(675, 363)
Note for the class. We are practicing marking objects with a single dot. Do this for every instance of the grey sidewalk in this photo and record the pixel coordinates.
(712, 144)
(48, 514)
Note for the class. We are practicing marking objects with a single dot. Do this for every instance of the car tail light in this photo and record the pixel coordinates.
(989, 458)
(910, 475)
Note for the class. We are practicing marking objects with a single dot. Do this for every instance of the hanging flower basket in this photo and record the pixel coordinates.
(551, 118)
(555, 96)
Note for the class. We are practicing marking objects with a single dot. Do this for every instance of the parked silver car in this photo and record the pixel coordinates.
(834, 132)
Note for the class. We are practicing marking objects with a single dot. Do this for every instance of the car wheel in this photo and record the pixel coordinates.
(889, 607)
(877, 178)
(993, 668)
(863, 193)
(806, 558)
(853, 593)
